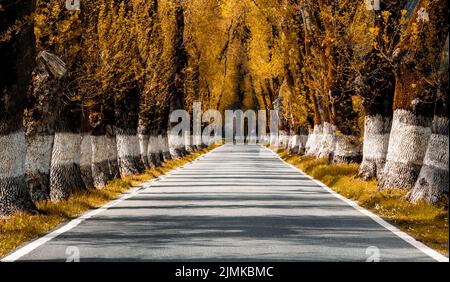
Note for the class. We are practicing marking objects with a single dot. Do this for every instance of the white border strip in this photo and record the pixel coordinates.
(74, 222)
(402, 235)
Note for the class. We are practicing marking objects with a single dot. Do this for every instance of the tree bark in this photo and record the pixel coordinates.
(127, 117)
(86, 160)
(375, 85)
(17, 57)
(375, 146)
(153, 151)
(432, 183)
(65, 171)
(39, 121)
(164, 151)
(113, 161)
(100, 157)
(418, 54)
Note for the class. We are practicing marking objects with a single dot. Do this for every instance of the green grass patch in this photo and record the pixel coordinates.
(22, 227)
(425, 222)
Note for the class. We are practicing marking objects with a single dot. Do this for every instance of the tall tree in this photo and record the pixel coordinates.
(17, 54)
(377, 32)
(418, 56)
(432, 182)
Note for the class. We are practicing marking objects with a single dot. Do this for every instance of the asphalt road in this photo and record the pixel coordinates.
(237, 203)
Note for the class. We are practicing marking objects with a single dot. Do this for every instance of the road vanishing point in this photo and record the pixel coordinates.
(235, 203)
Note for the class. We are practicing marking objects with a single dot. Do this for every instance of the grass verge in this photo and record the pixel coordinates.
(426, 223)
(22, 227)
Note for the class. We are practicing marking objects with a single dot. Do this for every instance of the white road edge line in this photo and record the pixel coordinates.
(402, 235)
(74, 222)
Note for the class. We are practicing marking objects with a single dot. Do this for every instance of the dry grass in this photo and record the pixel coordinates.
(20, 228)
(426, 223)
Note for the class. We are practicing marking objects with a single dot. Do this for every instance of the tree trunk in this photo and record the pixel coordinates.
(312, 146)
(328, 141)
(143, 149)
(294, 144)
(407, 146)
(432, 183)
(128, 153)
(39, 121)
(152, 151)
(375, 146)
(65, 171)
(164, 151)
(347, 149)
(100, 158)
(86, 160)
(113, 161)
(127, 118)
(418, 54)
(376, 87)
(37, 164)
(17, 57)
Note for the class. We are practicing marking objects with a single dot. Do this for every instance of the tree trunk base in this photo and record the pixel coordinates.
(37, 166)
(432, 183)
(65, 172)
(114, 169)
(431, 186)
(408, 143)
(86, 161)
(312, 145)
(375, 146)
(86, 175)
(347, 150)
(399, 176)
(38, 185)
(190, 149)
(14, 196)
(64, 181)
(328, 142)
(101, 174)
(175, 153)
(129, 165)
(370, 169)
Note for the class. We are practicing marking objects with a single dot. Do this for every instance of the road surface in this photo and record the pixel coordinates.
(237, 203)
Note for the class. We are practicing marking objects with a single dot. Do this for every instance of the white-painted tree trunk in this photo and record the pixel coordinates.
(100, 161)
(190, 148)
(294, 144)
(328, 142)
(274, 140)
(312, 146)
(375, 146)
(128, 154)
(86, 160)
(153, 151)
(432, 183)
(164, 139)
(14, 194)
(113, 162)
(347, 149)
(407, 146)
(175, 144)
(143, 149)
(284, 139)
(65, 173)
(302, 144)
(37, 165)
